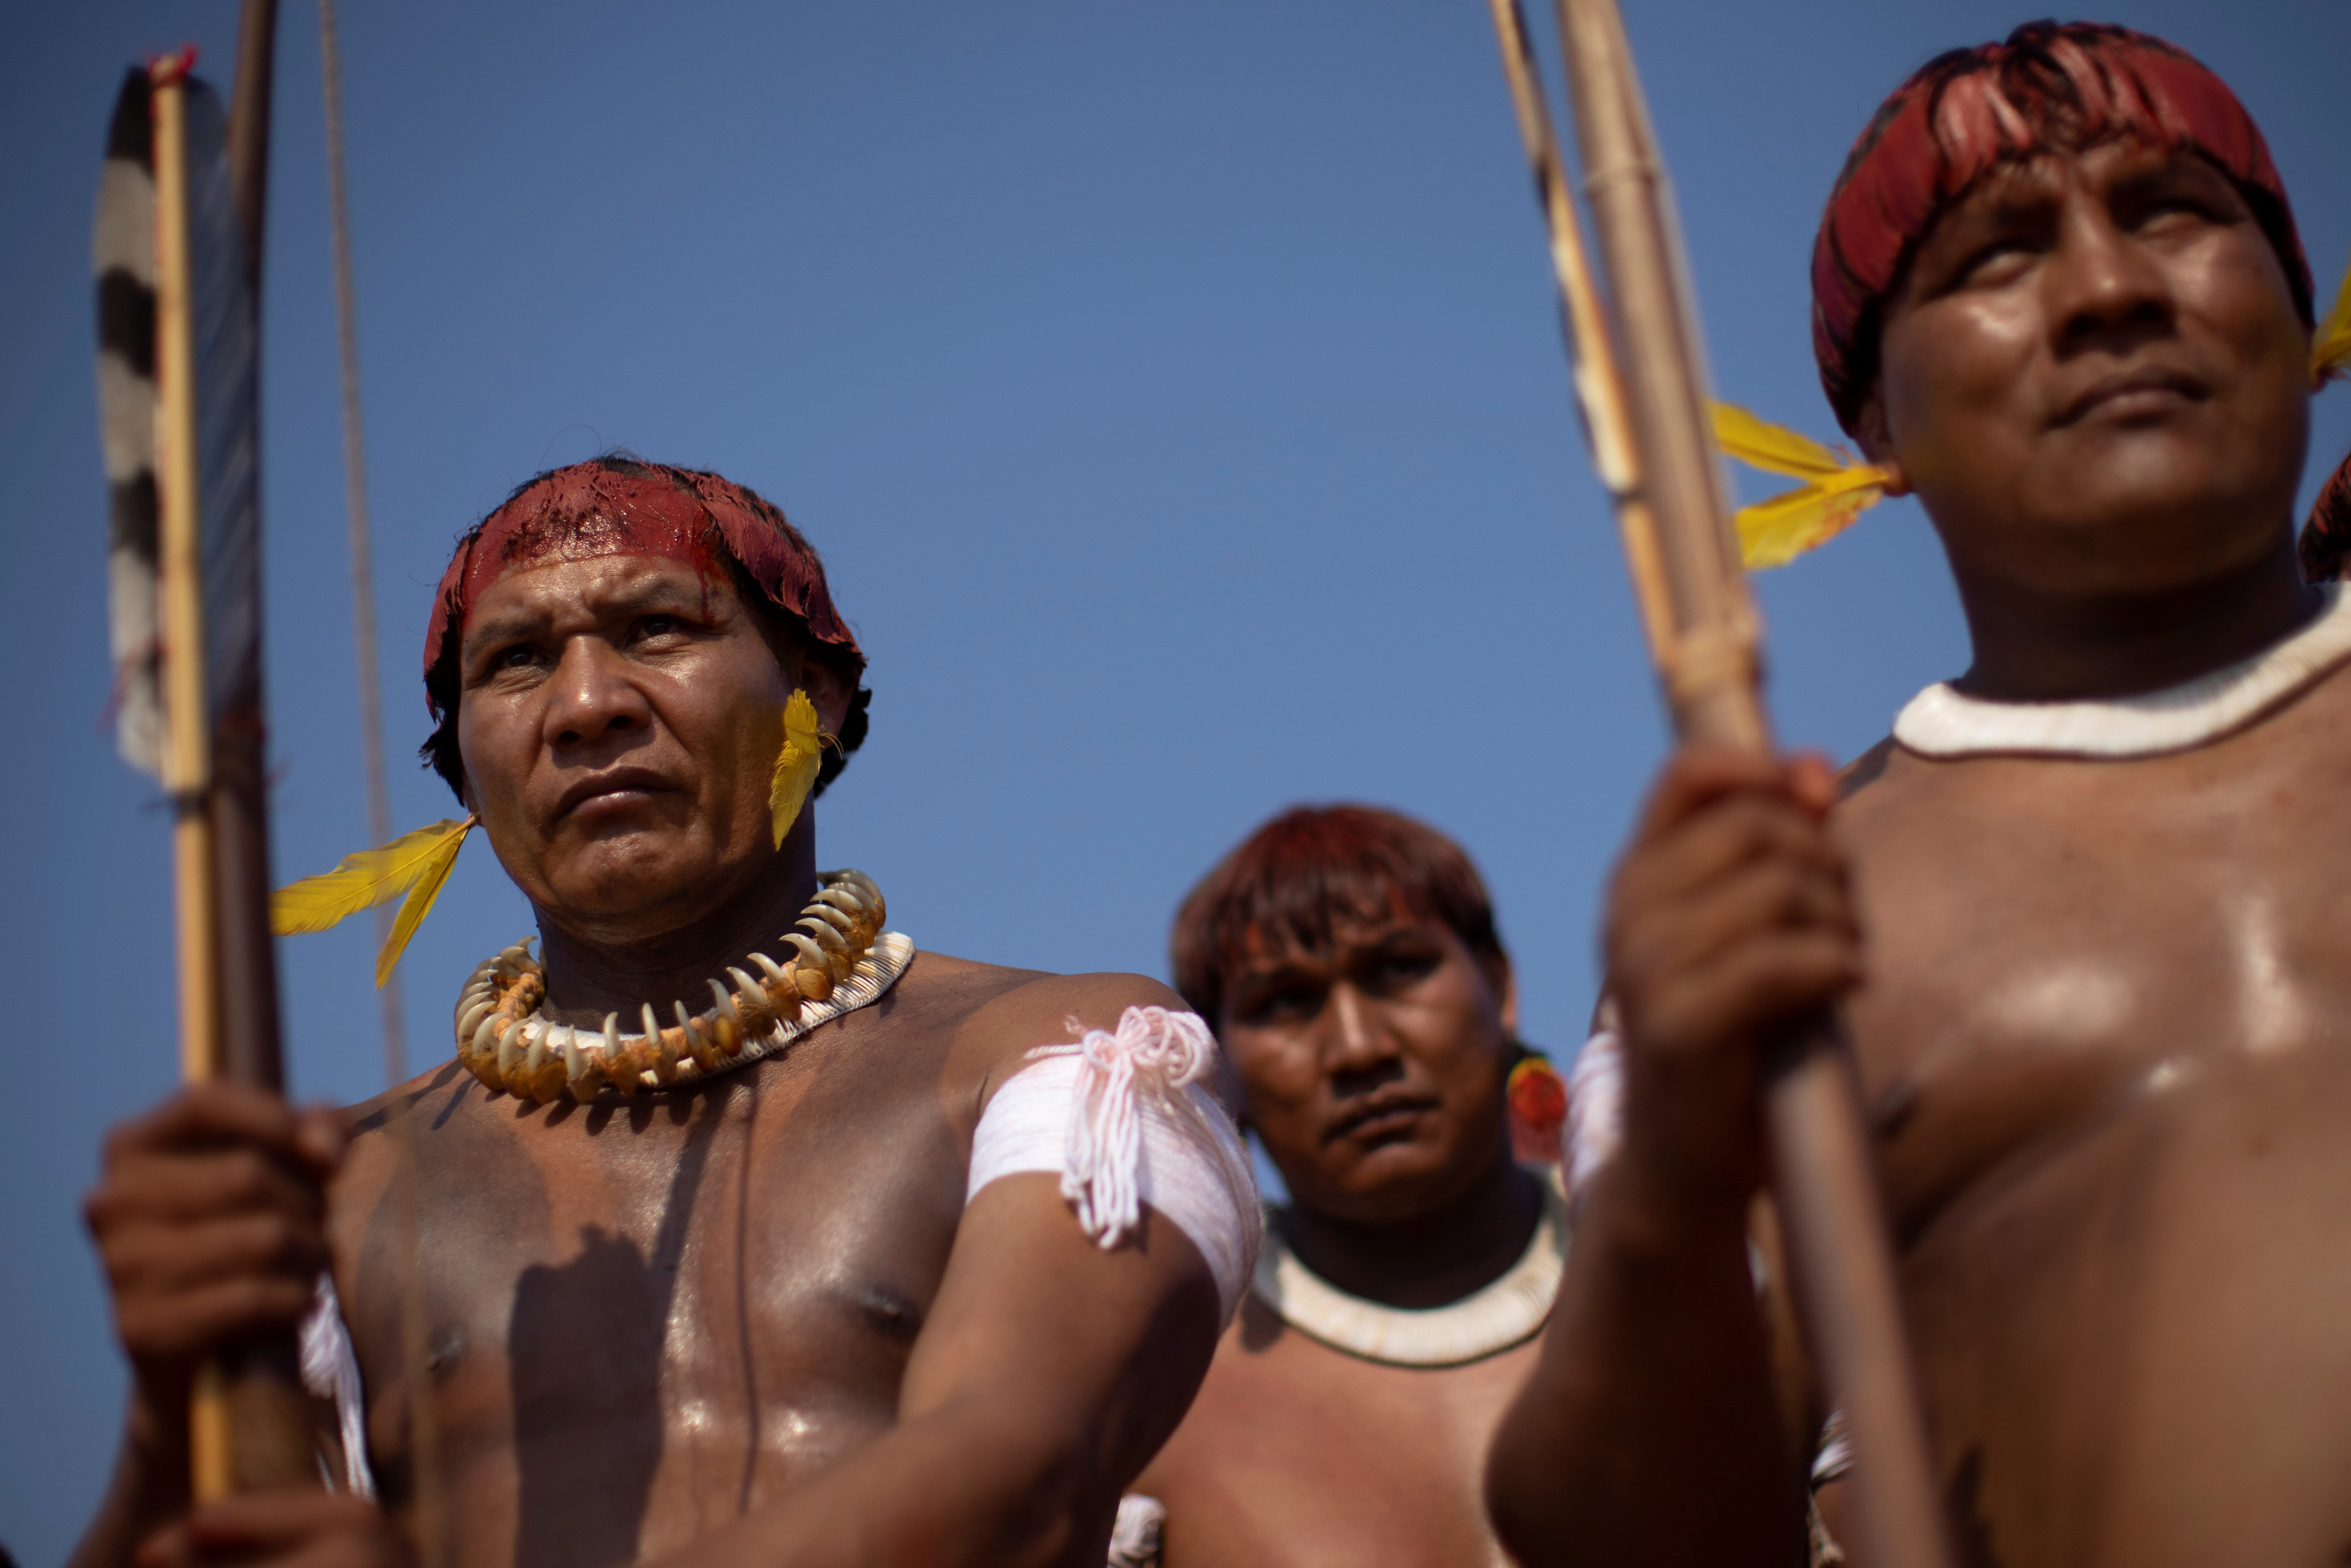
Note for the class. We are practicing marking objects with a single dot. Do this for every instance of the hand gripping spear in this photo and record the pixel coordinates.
(1646, 416)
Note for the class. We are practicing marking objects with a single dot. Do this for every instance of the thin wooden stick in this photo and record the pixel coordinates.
(1674, 510)
(1592, 355)
(430, 1531)
(187, 760)
(249, 130)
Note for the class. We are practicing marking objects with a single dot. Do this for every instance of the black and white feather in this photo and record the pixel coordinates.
(122, 247)
(225, 337)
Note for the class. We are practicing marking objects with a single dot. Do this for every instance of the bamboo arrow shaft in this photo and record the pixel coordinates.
(187, 756)
(1599, 384)
(1710, 667)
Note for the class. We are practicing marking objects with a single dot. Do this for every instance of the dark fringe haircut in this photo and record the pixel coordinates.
(1311, 870)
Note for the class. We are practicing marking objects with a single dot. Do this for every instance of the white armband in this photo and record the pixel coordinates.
(1595, 1121)
(1123, 1120)
(1595, 1109)
(331, 1370)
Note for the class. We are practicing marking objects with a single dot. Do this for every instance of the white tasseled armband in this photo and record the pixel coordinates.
(1595, 1109)
(1123, 1120)
(331, 1370)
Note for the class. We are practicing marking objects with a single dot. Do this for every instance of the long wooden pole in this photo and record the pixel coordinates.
(273, 1440)
(1673, 509)
(187, 760)
(251, 1026)
(252, 1032)
(249, 129)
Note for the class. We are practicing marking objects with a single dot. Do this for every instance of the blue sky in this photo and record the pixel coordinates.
(1174, 392)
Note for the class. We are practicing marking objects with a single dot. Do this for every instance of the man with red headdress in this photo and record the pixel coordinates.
(1350, 959)
(746, 1232)
(2083, 909)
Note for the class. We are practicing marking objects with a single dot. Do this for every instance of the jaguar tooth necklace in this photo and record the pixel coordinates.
(841, 959)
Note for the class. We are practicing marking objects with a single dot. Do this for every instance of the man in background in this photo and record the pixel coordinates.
(1349, 960)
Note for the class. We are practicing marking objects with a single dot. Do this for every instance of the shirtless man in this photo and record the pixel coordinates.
(1349, 958)
(773, 1305)
(2083, 909)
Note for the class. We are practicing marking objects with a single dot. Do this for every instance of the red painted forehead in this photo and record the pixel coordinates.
(596, 508)
(2046, 89)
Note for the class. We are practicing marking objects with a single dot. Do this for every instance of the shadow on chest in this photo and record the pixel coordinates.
(680, 1294)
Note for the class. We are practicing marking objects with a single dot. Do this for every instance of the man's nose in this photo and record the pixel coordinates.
(1357, 1042)
(591, 697)
(2106, 289)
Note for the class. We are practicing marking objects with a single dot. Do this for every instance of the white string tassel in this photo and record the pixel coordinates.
(1157, 1054)
(331, 1370)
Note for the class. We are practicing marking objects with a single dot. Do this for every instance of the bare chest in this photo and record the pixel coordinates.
(2107, 1039)
(1297, 1456)
(645, 1319)
(2052, 947)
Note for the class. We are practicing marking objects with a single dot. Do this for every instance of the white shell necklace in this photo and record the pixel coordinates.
(1509, 1312)
(842, 960)
(1940, 722)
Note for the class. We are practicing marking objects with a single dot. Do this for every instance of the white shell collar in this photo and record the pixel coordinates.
(1940, 722)
(1509, 1312)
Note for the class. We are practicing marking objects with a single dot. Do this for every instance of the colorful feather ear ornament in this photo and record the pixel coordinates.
(795, 765)
(414, 863)
(1837, 489)
(2330, 345)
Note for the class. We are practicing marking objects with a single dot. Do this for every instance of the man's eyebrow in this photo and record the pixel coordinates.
(1292, 969)
(501, 628)
(649, 593)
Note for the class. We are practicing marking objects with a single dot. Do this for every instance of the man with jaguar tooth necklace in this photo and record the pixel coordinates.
(2083, 910)
(747, 1233)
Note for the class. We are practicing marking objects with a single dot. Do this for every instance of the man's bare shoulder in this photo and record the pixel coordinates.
(367, 1165)
(1890, 793)
(1000, 1014)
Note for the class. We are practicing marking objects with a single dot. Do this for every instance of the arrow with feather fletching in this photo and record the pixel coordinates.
(179, 423)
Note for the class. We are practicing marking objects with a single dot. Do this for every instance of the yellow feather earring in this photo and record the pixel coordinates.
(796, 764)
(1837, 489)
(2330, 345)
(414, 863)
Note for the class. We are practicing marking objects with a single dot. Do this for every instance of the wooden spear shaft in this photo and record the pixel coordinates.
(1652, 442)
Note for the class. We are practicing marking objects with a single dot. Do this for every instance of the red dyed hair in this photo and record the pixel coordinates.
(616, 505)
(2049, 88)
(1300, 878)
(2327, 538)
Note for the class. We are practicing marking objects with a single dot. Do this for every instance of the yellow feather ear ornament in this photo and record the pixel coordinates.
(1837, 489)
(414, 863)
(2330, 345)
(795, 765)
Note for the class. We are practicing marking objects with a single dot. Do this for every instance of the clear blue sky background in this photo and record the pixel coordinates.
(1174, 390)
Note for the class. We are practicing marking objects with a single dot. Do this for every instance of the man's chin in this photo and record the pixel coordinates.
(2134, 535)
(1398, 1183)
(633, 896)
